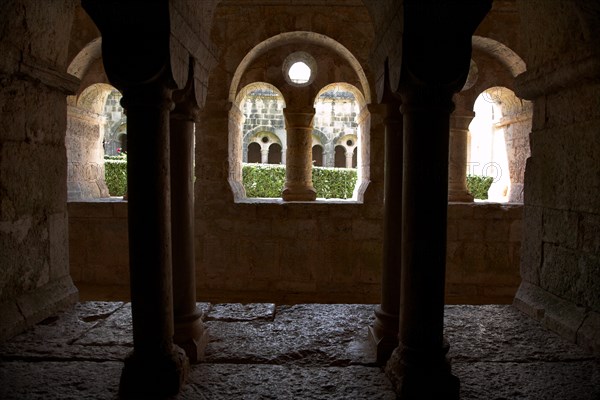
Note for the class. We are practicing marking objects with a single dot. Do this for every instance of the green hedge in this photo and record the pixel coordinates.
(115, 175)
(262, 180)
(259, 180)
(478, 186)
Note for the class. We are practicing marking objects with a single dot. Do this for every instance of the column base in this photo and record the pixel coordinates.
(383, 335)
(153, 377)
(299, 194)
(191, 336)
(460, 196)
(422, 375)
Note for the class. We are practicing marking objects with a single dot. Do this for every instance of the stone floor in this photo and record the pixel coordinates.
(308, 351)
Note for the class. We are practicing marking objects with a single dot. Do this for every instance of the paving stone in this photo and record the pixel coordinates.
(59, 380)
(502, 333)
(230, 381)
(576, 380)
(67, 326)
(55, 337)
(237, 312)
(315, 334)
(115, 330)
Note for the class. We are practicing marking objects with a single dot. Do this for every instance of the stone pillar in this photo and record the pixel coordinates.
(190, 333)
(384, 331)
(298, 175)
(264, 155)
(457, 160)
(349, 155)
(433, 31)
(155, 366)
(418, 366)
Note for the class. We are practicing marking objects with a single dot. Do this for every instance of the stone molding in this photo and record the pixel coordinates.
(569, 71)
(48, 75)
(576, 324)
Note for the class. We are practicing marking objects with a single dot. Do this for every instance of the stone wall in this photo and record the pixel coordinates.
(287, 253)
(561, 248)
(34, 263)
(85, 178)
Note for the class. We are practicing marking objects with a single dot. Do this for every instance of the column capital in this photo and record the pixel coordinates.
(186, 103)
(154, 94)
(299, 118)
(462, 120)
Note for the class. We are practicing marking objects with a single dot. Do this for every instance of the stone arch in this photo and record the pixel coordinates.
(358, 133)
(275, 154)
(317, 155)
(253, 153)
(339, 157)
(501, 129)
(303, 37)
(241, 135)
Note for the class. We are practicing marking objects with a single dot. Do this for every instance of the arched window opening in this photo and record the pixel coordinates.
(115, 128)
(354, 158)
(254, 156)
(317, 155)
(498, 143)
(95, 123)
(340, 157)
(275, 153)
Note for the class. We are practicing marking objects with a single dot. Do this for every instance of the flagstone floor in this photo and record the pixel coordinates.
(305, 351)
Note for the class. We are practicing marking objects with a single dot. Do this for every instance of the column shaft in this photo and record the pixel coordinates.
(155, 365)
(189, 329)
(457, 160)
(298, 175)
(419, 365)
(385, 328)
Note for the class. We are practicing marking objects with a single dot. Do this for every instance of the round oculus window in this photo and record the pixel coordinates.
(299, 69)
(299, 73)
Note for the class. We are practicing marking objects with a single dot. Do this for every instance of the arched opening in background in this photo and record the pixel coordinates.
(317, 155)
(499, 142)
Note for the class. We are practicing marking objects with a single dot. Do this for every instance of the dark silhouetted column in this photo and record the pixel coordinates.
(156, 365)
(189, 329)
(420, 363)
(436, 53)
(298, 171)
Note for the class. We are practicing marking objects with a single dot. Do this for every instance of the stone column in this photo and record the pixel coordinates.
(349, 155)
(264, 155)
(384, 331)
(298, 175)
(189, 329)
(418, 366)
(156, 366)
(457, 160)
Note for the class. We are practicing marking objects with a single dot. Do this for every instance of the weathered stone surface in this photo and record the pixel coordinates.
(560, 380)
(495, 333)
(225, 381)
(290, 253)
(308, 351)
(59, 380)
(241, 312)
(302, 334)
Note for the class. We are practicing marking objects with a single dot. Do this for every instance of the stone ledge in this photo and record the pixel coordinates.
(574, 323)
(32, 307)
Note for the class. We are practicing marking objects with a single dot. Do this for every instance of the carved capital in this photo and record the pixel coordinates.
(299, 118)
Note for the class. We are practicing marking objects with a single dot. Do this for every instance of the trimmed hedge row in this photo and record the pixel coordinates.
(115, 175)
(479, 185)
(262, 180)
(259, 180)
